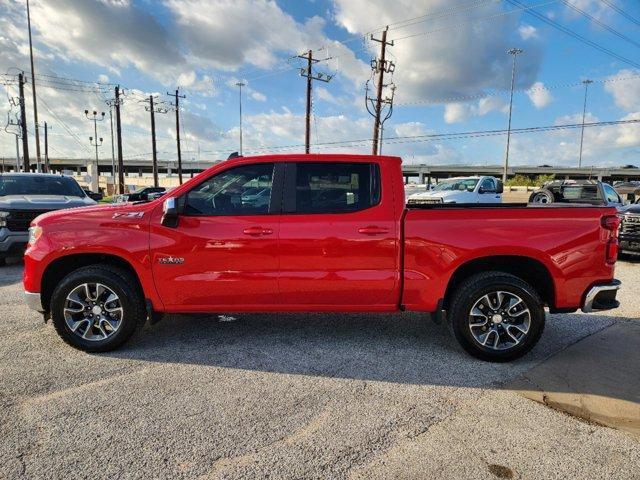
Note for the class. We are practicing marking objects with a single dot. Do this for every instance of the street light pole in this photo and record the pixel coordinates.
(586, 83)
(515, 52)
(240, 85)
(96, 142)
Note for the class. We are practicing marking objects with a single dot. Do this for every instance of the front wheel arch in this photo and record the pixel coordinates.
(62, 266)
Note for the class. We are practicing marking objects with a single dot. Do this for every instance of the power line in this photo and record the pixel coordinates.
(443, 136)
(573, 34)
(495, 93)
(600, 23)
(621, 11)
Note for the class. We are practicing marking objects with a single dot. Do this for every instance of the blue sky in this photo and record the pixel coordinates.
(452, 74)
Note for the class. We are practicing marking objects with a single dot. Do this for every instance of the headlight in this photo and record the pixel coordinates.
(34, 234)
(3, 219)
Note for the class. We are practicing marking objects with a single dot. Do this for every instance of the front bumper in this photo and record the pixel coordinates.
(12, 243)
(33, 301)
(602, 297)
(629, 244)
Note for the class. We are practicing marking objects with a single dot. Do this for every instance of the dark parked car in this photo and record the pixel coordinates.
(93, 195)
(24, 196)
(143, 193)
(577, 191)
(630, 229)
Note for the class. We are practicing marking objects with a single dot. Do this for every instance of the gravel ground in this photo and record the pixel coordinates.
(290, 396)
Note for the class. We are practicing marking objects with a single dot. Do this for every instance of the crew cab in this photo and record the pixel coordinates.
(334, 236)
(461, 190)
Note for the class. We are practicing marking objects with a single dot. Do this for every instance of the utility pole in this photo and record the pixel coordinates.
(176, 105)
(240, 85)
(96, 142)
(14, 123)
(515, 52)
(388, 100)
(380, 66)
(33, 91)
(154, 109)
(23, 123)
(308, 73)
(113, 154)
(117, 102)
(47, 165)
(586, 83)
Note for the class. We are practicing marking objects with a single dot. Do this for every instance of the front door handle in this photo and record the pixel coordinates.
(257, 231)
(373, 230)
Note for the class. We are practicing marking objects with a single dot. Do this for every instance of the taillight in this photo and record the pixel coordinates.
(610, 222)
(612, 251)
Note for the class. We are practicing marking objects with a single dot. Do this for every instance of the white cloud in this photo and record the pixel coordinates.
(459, 112)
(448, 62)
(111, 34)
(626, 93)
(527, 31)
(258, 96)
(539, 96)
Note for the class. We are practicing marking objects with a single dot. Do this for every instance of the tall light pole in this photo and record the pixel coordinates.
(240, 85)
(586, 83)
(96, 142)
(515, 52)
(33, 91)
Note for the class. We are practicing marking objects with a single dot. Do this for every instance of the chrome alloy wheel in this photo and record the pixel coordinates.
(499, 320)
(93, 311)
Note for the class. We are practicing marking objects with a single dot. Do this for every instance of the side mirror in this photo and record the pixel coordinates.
(170, 212)
(500, 187)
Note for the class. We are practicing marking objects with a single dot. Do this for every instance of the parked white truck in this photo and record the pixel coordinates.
(461, 190)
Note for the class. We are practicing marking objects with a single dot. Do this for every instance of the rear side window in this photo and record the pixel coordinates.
(336, 187)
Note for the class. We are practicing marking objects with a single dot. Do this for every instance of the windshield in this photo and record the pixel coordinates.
(465, 184)
(39, 185)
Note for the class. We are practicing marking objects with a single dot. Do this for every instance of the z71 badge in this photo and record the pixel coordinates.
(171, 260)
(128, 215)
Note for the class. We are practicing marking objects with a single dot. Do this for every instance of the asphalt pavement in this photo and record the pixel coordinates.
(292, 396)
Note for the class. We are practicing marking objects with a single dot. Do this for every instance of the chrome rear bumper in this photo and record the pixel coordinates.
(33, 301)
(601, 297)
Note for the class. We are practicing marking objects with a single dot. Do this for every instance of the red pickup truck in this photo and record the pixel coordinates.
(309, 233)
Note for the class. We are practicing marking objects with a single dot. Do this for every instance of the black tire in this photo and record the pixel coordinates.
(122, 284)
(3, 261)
(542, 196)
(473, 290)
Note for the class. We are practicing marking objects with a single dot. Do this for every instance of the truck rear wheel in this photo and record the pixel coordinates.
(542, 196)
(496, 316)
(97, 308)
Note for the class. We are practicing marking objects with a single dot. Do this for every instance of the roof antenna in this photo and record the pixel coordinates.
(233, 155)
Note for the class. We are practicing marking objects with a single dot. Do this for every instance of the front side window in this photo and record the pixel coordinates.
(336, 187)
(612, 195)
(243, 190)
(488, 185)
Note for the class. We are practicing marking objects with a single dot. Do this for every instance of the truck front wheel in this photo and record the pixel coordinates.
(496, 316)
(97, 308)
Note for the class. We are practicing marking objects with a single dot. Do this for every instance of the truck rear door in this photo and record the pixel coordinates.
(338, 236)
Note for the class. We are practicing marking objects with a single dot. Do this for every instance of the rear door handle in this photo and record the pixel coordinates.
(257, 231)
(373, 230)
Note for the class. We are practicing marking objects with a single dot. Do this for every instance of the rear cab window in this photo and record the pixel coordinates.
(331, 187)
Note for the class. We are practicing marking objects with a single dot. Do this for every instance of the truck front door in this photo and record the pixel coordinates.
(222, 256)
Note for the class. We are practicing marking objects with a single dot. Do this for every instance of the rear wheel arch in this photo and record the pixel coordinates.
(530, 270)
(63, 266)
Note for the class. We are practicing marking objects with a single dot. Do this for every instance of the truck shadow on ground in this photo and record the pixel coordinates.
(406, 349)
